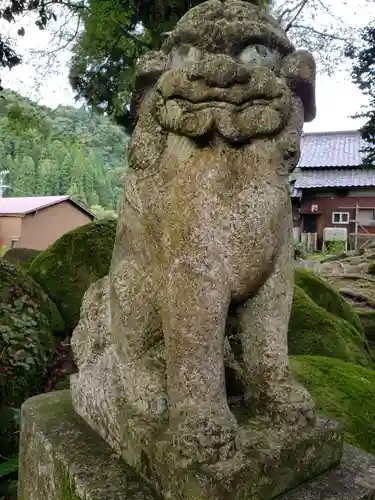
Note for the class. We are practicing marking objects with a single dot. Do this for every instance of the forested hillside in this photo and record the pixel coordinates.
(64, 151)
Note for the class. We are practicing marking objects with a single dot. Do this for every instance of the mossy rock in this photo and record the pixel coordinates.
(315, 331)
(371, 268)
(326, 296)
(341, 391)
(67, 268)
(26, 337)
(367, 317)
(21, 255)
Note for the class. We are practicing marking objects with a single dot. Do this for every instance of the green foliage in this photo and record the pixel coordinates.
(363, 75)
(299, 251)
(8, 478)
(65, 151)
(101, 213)
(26, 340)
(67, 268)
(9, 466)
(344, 392)
(315, 331)
(371, 269)
(324, 295)
(334, 247)
(9, 431)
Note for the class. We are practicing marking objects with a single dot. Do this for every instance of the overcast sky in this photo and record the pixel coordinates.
(337, 98)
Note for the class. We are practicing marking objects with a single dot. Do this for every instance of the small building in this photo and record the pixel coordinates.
(37, 222)
(332, 188)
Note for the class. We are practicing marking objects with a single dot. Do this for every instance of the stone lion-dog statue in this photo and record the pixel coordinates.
(194, 312)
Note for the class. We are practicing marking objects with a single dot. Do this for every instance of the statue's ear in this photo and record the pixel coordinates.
(148, 70)
(299, 70)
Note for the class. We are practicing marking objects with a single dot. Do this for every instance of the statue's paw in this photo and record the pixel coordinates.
(206, 435)
(145, 391)
(291, 404)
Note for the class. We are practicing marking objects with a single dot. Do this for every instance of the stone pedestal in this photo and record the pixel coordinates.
(62, 458)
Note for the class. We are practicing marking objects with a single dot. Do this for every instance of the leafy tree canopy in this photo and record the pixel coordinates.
(63, 151)
(363, 75)
(9, 11)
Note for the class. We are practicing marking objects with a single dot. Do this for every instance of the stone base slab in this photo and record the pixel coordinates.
(62, 458)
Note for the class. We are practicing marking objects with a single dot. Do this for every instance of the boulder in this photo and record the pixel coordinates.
(341, 391)
(326, 296)
(22, 256)
(313, 330)
(76, 260)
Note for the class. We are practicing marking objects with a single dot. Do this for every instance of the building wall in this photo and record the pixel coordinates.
(42, 228)
(329, 202)
(10, 231)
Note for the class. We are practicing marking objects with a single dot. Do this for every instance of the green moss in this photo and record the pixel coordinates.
(371, 268)
(367, 317)
(344, 392)
(67, 268)
(325, 295)
(315, 331)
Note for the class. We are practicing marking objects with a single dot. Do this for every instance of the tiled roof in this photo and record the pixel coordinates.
(19, 206)
(331, 149)
(334, 177)
(26, 205)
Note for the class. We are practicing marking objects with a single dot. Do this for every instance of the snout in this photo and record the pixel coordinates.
(221, 94)
(220, 71)
(220, 79)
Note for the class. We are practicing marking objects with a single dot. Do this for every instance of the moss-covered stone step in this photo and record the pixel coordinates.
(61, 458)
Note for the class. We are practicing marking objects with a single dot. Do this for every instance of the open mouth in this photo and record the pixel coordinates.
(214, 103)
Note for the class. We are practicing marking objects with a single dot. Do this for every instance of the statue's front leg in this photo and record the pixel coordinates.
(195, 307)
(263, 320)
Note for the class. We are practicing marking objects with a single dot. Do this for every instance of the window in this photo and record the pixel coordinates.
(340, 218)
(366, 217)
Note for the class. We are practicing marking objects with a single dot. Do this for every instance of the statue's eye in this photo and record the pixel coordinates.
(185, 54)
(258, 54)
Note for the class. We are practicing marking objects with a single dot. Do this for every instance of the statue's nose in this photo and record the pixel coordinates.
(220, 71)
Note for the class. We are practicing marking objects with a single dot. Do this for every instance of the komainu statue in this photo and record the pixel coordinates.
(182, 349)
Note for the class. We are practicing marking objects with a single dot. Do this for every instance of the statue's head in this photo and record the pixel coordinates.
(226, 68)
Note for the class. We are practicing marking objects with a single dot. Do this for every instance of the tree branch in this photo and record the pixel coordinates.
(133, 37)
(320, 33)
(68, 4)
(301, 7)
(290, 11)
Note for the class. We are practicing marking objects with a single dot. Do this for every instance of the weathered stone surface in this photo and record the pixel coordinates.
(354, 479)
(194, 313)
(62, 458)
